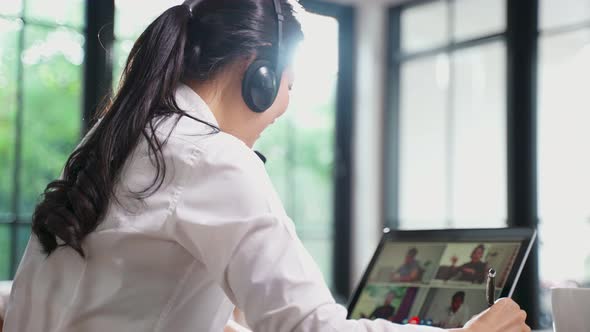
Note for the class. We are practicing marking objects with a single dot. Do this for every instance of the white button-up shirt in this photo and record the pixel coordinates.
(214, 235)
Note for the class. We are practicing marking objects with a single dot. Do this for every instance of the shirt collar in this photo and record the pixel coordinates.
(188, 100)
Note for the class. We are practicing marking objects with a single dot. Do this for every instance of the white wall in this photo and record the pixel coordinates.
(371, 20)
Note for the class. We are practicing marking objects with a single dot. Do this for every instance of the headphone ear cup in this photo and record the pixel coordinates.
(260, 86)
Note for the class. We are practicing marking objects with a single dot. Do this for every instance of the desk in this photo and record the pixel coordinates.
(5, 292)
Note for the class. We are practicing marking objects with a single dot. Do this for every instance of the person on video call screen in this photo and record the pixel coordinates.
(472, 271)
(455, 315)
(385, 311)
(410, 270)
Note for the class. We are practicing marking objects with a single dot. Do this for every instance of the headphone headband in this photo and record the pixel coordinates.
(191, 4)
(280, 19)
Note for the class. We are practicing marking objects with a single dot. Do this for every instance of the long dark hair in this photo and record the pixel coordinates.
(177, 46)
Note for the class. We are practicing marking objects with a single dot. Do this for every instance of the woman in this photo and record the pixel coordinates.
(164, 218)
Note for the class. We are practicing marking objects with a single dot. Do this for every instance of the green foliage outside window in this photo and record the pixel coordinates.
(50, 85)
(8, 65)
(51, 112)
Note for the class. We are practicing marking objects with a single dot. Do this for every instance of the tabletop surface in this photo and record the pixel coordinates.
(5, 290)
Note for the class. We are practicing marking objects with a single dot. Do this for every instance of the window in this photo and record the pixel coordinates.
(563, 136)
(300, 146)
(40, 90)
(451, 149)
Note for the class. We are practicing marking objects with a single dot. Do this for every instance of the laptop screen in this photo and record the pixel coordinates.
(432, 283)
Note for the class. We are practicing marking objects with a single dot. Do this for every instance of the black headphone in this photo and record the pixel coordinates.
(262, 80)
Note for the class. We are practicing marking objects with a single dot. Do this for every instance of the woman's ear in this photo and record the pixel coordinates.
(233, 74)
(242, 65)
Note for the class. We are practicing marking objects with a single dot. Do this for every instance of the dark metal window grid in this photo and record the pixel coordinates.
(343, 158)
(396, 57)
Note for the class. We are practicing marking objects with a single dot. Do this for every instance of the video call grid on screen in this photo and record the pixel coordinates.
(441, 283)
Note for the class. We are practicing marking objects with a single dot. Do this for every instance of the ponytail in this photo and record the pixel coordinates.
(73, 206)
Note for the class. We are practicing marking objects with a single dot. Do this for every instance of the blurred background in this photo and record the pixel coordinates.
(404, 114)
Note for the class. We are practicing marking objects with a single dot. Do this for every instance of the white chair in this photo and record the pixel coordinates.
(4, 294)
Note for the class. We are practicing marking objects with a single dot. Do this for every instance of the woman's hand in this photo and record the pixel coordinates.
(229, 328)
(235, 324)
(232, 326)
(504, 316)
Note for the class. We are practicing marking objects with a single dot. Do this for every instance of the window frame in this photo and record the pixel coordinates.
(344, 132)
(98, 64)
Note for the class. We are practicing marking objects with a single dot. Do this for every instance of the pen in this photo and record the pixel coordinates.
(491, 287)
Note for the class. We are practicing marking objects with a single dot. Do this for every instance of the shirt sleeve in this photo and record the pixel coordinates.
(226, 218)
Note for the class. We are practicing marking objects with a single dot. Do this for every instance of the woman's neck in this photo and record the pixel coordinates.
(223, 97)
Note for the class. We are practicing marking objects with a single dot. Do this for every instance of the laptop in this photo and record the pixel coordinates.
(439, 277)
